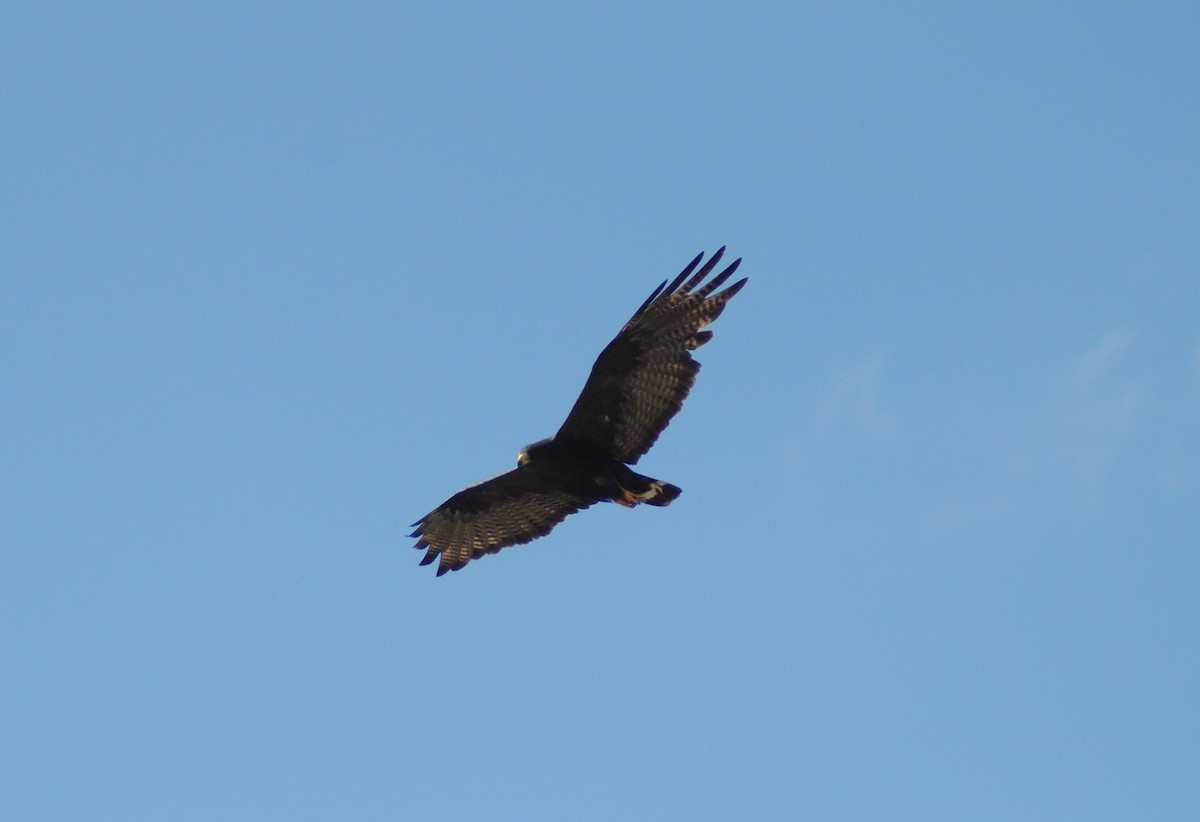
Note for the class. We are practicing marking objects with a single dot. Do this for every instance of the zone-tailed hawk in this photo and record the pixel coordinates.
(639, 382)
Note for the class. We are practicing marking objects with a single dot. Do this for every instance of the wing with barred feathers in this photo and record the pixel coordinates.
(509, 509)
(639, 382)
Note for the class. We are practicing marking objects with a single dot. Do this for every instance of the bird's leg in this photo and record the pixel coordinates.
(628, 498)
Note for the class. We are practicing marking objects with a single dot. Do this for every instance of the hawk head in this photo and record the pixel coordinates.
(530, 452)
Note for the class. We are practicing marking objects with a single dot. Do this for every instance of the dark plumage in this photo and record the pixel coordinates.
(639, 382)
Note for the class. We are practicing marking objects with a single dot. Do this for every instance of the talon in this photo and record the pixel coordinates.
(627, 498)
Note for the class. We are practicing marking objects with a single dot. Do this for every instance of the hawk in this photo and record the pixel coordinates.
(638, 383)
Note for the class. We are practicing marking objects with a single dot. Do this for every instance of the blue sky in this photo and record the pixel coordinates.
(275, 280)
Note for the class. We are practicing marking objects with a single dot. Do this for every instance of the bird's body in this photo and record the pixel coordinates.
(637, 385)
(581, 465)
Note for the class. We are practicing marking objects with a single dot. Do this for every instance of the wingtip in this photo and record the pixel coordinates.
(653, 296)
(736, 287)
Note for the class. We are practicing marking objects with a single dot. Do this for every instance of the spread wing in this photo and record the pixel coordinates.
(508, 509)
(639, 382)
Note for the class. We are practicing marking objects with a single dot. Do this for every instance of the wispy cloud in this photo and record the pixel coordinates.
(1100, 395)
(1077, 431)
(1058, 450)
(852, 404)
(1099, 360)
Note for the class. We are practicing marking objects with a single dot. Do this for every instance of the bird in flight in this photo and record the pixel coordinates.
(638, 383)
